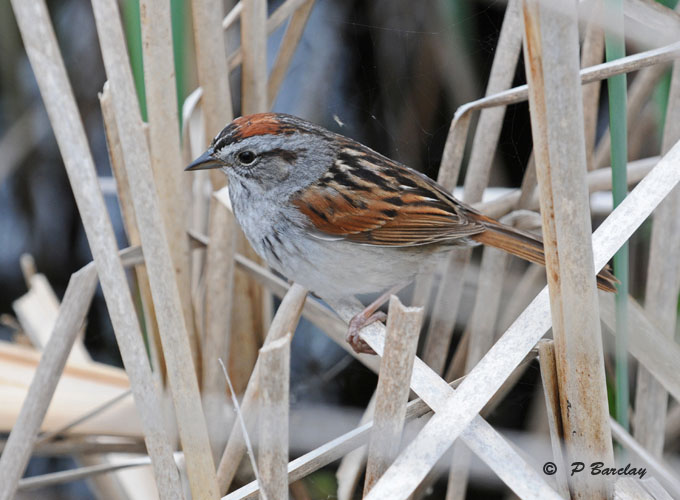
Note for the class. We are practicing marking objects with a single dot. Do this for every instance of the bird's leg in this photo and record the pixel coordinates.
(366, 317)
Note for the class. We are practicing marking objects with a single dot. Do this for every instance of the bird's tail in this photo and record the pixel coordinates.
(525, 246)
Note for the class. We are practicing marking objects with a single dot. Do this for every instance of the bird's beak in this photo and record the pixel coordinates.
(205, 161)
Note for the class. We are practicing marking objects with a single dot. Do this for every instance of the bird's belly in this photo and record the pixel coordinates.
(335, 269)
(331, 269)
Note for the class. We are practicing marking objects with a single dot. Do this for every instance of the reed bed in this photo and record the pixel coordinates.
(205, 321)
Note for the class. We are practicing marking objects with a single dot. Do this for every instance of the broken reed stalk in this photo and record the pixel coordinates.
(42, 49)
(174, 337)
(164, 149)
(399, 480)
(662, 288)
(352, 441)
(284, 322)
(37, 311)
(274, 375)
(546, 358)
(72, 312)
(219, 292)
(401, 341)
(342, 446)
(555, 100)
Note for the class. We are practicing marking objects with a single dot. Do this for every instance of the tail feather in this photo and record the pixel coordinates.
(527, 247)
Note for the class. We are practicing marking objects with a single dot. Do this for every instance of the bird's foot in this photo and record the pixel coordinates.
(358, 322)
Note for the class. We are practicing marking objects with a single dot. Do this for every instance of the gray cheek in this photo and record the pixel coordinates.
(273, 174)
(282, 171)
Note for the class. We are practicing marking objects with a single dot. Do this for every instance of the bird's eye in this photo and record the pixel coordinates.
(246, 157)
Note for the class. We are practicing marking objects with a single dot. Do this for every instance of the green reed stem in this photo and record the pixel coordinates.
(615, 49)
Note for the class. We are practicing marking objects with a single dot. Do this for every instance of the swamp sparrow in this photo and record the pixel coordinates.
(340, 218)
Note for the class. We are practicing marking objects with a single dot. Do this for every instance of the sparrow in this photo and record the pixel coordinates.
(340, 218)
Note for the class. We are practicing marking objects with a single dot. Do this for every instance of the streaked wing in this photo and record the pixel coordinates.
(369, 199)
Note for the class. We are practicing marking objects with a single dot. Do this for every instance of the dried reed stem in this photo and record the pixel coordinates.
(130, 224)
(546, 358)
(598, 180)
(291, 38)
(491, 120)
(353, 463)
(654, 350)
(284, 322)
(213, 73)
(481, 327)
(403, 329)
(48, 436)
(37, 310)
(638, 95)
(588, 75)
(43, 52)
(661, 471)
(211, 64)
(254, 48)
(219, 281)
(446, 305)
(274, 374)
(277, 18)
(252, 310)
(445, 310)
(555, 100)
(233, 16)
(89, 445)
(71, 316)
(164, 148)
(663, 285)
(167, 301)
(591, 54)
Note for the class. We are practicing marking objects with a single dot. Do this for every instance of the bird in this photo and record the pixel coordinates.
(343, 220)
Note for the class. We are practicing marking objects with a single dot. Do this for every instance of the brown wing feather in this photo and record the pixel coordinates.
(382, 203)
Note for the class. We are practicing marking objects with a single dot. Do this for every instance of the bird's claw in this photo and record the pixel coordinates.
(356, 324)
